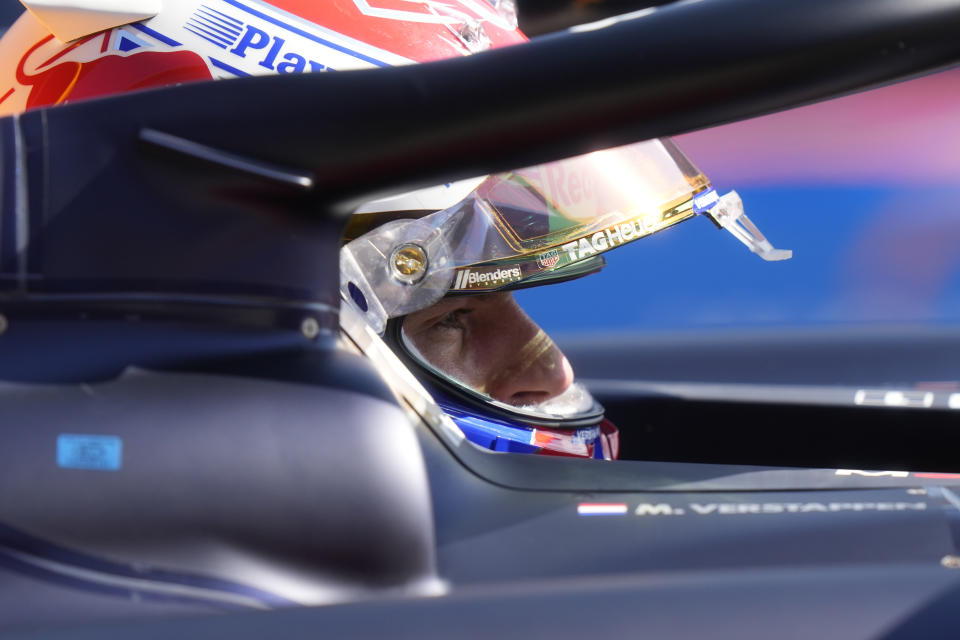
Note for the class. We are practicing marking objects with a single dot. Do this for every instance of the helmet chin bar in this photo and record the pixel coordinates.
(396, 269)
(727, 212)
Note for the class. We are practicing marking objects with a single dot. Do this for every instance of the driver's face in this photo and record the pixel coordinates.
(490, 344)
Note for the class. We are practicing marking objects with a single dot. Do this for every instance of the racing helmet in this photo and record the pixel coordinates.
(528, 227)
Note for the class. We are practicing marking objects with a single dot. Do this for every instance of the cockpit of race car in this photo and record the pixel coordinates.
(288, 294)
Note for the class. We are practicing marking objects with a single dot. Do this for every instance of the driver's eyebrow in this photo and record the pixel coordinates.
(432, 315)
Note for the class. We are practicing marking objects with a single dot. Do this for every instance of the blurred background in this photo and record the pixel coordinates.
(864, 189)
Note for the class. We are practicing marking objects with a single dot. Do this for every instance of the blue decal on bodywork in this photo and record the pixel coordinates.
(99, 453)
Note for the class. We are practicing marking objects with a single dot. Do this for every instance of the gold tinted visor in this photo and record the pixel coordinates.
(650, 183)
(522, 228)
(527, 223)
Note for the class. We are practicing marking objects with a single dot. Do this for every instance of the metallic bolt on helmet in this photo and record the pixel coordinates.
(407, 253)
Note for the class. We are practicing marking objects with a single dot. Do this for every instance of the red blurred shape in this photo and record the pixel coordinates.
(110, 74)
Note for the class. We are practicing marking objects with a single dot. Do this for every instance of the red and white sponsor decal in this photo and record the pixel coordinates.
(418, 30)
(46, 76)
(549, 259)
(191, 40)
(602, 509)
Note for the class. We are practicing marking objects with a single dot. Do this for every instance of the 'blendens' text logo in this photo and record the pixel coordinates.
(485, 278)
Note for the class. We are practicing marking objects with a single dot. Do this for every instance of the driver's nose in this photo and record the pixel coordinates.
(534, 369)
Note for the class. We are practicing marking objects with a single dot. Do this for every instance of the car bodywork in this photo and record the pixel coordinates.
(259, 460)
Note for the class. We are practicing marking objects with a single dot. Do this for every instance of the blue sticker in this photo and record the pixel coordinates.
(100, 453)
(705, 201)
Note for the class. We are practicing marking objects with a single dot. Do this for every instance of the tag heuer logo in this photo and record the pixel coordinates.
(549, 259)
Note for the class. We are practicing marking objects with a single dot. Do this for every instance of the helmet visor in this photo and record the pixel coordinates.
(552, 204)
(521, 226)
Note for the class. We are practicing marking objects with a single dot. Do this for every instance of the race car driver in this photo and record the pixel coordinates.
(430, 270)
(435, 281)
(488, 343)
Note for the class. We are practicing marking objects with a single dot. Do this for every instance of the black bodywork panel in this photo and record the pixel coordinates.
(261, 462)
(810, 397)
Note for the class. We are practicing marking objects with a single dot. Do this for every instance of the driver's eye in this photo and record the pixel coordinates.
(453, 320)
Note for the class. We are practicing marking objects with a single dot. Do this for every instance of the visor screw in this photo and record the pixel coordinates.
(3, 324)
(950, 562)
(408, 263)
(310, 328)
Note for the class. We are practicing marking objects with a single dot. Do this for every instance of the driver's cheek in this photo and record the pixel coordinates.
(524, 367)
(455, 356)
